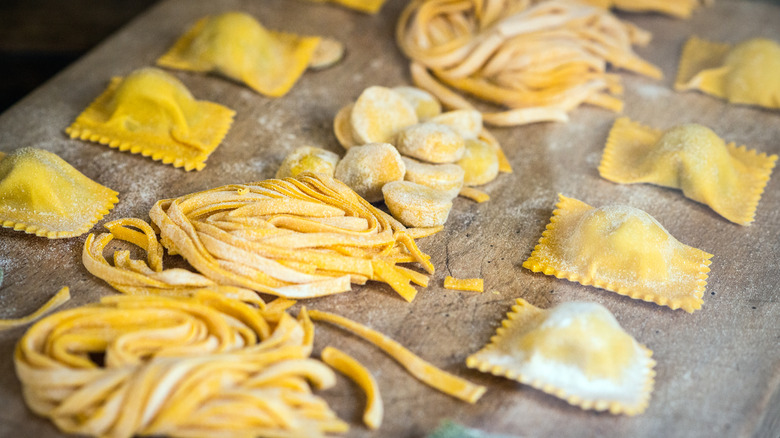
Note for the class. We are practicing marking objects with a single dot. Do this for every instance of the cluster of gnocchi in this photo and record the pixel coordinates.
(403, 150)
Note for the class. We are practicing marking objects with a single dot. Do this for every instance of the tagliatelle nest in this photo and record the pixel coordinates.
(539, 59)
(206, 366)
(296, 238)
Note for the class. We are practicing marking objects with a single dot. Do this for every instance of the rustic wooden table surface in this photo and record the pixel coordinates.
(718, 371)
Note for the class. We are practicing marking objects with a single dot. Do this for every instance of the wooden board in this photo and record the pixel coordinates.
(718, 369)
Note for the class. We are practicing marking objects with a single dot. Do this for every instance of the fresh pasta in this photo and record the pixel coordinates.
(44, 195)
(202, 366)
(296, 238)
(538, 59)
(152, 113)
(60, 298)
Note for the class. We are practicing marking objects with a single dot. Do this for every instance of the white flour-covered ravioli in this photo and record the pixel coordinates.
(576, 351)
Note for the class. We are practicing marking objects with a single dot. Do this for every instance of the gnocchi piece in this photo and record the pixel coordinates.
(365, 169)
(342, 127)
(480, 163)
(308, 159)
(328, 52)
(416, 205)
(425, 105)
(431, 142)
(379, 114)
(467, 123)
(447, 178)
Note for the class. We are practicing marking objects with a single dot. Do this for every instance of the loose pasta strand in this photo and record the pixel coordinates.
(62, 296)
(417, 367)
(350, 367)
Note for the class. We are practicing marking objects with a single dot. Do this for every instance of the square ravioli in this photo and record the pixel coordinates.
(692, 158)
(152, 113)
(746, 73)
(576, 351)
(237, 46)
(621, 249)
(41, 194)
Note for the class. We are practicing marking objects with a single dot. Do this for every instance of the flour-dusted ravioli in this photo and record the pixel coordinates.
(152, 113)
(692, 158)
(576, 351)
(746, 73)
(41, 194)
(236, 45)
(621, 249)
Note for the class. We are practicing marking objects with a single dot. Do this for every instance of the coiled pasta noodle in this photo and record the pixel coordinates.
(205, 365)
(136, 277)
(539, 59)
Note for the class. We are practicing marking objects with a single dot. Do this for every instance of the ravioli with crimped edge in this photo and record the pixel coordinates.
(150, 112)
(621, 249)
(41, 194)
(576, 351)
(691, 158)
(746, 73)
(237, 46)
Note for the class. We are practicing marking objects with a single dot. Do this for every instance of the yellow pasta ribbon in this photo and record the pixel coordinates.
(297, 238)
(539, 60)
(475, 195)
(365, 6)
(675, 8)
(353, 369)
(56, 301)
(135, 277)
(416, 366)
(468, 284)
(205, 365)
